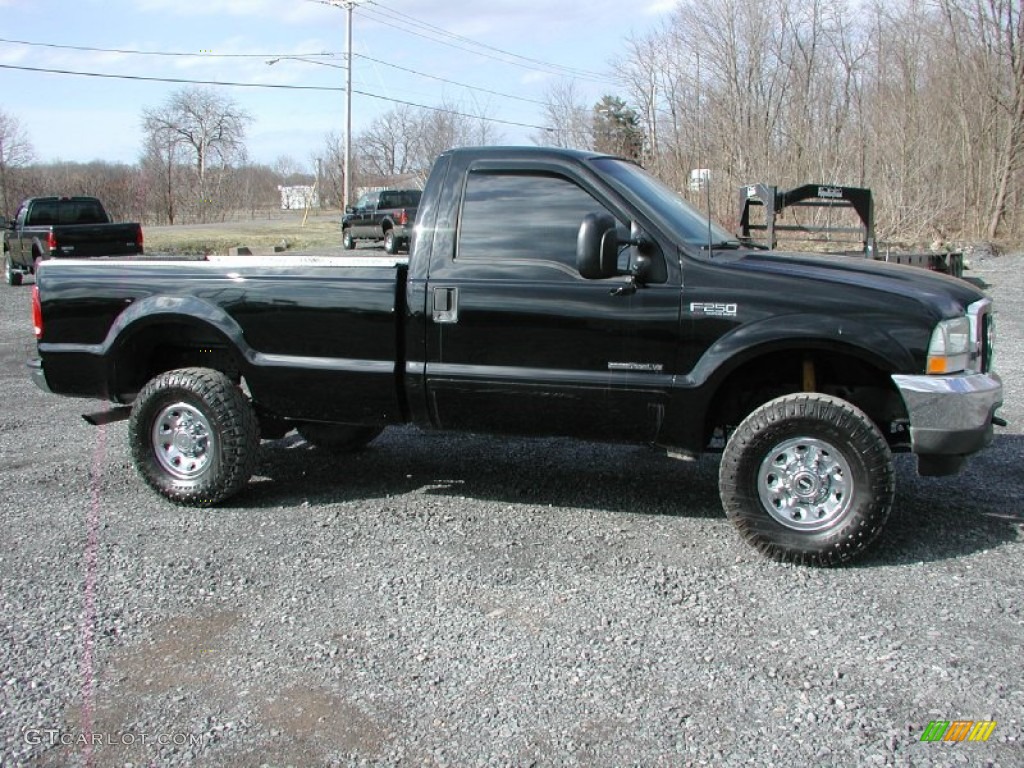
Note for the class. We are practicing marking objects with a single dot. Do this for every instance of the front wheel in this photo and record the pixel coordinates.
(808, 478)
(194, 436)
(347, 241)
(11, 275)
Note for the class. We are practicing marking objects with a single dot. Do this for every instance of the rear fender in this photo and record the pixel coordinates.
(185, 310)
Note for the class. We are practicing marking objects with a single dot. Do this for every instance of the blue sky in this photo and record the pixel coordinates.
(84, 118)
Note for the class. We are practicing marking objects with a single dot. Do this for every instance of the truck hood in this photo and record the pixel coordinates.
(949, 296)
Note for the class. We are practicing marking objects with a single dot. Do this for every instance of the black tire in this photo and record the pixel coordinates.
(338, 438)
(11, 275)
(390, 243)
(808, 478)
(347, 241)
(194, 436)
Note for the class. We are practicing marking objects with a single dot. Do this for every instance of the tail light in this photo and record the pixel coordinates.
(51, 241)
(37, 313)
(139, 239)
(403, 217)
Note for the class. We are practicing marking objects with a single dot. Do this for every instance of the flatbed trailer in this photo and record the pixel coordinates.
(833, 198)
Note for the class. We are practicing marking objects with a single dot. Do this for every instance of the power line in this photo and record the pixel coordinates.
(450, 82)
(173, 79)
(278, 86)
(274, 58)
(524, 62)
(202, 55)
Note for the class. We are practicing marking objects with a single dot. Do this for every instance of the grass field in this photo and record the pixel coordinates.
(261, 234)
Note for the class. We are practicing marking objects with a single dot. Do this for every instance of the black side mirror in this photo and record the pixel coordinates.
(350, 209)
(597, 247)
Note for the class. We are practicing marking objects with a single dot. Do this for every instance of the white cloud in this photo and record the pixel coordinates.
(661, 6)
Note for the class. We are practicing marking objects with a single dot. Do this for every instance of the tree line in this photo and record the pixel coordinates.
(921, 100)
(194, 166)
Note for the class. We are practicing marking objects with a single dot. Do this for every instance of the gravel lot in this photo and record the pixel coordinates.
(453, 600)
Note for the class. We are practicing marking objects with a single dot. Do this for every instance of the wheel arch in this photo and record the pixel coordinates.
(759, 373)
(162, 334)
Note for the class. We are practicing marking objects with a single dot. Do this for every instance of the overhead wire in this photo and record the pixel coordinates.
(401, 18)
(273, 58)
(279, 86)
(408, 24)
(200, 54)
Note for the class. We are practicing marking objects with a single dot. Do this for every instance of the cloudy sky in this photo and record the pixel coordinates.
(509, 51)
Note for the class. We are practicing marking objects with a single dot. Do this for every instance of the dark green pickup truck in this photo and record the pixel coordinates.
(386, 215)
(68, 227)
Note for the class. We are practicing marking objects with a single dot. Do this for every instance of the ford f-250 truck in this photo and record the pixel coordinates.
(70, 227)
(386, 215)
(548, 292)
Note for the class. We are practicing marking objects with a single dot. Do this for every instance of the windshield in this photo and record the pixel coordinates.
(671, 211)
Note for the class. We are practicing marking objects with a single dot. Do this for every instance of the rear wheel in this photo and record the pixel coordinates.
(194, 436)
(347, 241)
(390, 243)
(11, 275)
(808, 478)
(338, 438)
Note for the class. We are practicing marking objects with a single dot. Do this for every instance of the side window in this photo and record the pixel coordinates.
(522, 216)
(363, 202)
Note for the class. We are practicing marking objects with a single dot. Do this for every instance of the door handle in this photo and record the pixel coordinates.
(445, 305)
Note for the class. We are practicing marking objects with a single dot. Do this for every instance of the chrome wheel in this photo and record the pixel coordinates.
(183, 441)
(805, 484)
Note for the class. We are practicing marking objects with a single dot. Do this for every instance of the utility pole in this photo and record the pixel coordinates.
(349, 4)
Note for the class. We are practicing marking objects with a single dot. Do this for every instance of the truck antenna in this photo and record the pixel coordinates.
(707, 199)
(705, 172)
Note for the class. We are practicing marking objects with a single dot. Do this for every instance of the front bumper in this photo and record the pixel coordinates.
(950, 415)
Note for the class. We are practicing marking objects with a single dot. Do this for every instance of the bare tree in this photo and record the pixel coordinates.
(387, 147)
(569, 121)
(15, 152)
(332, 168)
(211, 129)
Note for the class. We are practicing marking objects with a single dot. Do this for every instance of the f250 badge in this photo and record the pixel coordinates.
(713, 309)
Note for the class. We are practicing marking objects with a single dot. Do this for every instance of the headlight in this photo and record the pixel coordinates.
(950, 347)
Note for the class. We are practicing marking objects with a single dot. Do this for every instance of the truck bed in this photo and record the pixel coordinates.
(323, 333)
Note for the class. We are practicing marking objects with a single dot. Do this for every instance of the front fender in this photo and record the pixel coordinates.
(864, 340)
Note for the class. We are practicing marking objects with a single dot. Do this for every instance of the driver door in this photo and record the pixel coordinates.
(519, 342)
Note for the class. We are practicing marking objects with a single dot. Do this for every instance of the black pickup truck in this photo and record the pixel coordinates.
(548, 292)
(386, 215)
(69, 227)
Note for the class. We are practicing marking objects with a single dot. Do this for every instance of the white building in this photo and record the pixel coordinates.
(298, 198)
